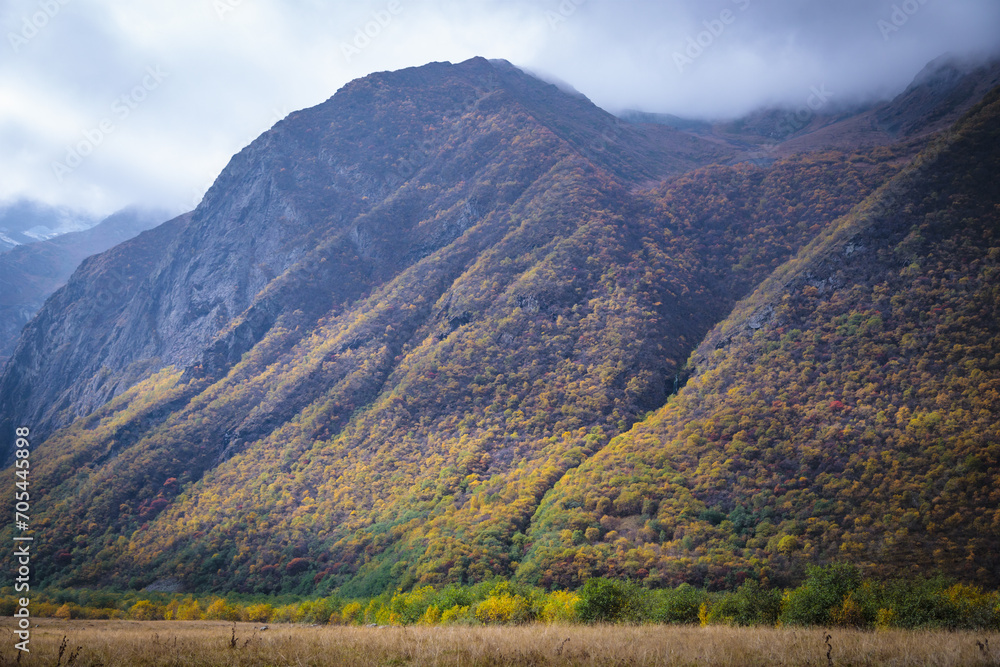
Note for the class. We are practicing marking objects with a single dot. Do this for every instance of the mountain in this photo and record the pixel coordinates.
(25, 221)
(30, 273)
(846, 409)
(944, 90)
(322, 209)
(409, 334)
(938, 96)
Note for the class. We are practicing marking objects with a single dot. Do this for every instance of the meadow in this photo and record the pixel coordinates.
(122, 643)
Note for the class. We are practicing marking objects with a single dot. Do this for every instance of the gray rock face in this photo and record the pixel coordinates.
(161, 299)
(232, 248)
(30, 273)
(329, 203)
(59, 367)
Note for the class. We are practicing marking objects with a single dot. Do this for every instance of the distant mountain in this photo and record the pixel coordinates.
(938, 96)
(944, 90)
(30, 273)
(26, 221)
(436, 329)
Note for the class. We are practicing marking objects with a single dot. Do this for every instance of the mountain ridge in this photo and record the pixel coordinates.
(397, 328)
(189, 318)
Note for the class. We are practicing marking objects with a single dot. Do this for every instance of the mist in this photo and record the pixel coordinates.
(104, 105)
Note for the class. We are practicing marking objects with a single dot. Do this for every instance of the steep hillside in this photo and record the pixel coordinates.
(848, 409)
(403, 335)
(476, 296)
(68, 336)
(30, 273)
(327, 206)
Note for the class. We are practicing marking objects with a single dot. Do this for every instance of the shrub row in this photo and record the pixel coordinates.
(835, 595)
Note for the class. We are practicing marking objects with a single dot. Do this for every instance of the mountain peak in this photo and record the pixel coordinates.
(365, 184)
(944, 69)
(435, 329)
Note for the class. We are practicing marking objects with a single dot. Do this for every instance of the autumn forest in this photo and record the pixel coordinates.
(458, 347)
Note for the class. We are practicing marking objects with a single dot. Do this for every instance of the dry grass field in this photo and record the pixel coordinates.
(134, 644)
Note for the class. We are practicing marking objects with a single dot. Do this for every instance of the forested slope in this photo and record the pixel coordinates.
(429, 331)
(848, 409)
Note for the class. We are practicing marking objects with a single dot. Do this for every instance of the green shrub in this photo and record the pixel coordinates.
(454, 596)
(317, 611)
(678, 605)
(409, 608)
(8, 605)
(969, 607)
(750, 604)
(824, 590)
(915, 603)
(609, 601)
(833, 595)
(935, 603)
(377, 610)
(860, 608)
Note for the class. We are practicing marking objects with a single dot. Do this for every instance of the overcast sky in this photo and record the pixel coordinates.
(104, 103)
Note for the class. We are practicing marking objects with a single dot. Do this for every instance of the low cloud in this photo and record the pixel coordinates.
(231, 68)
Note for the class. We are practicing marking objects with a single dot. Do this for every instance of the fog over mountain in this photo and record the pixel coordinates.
(106, 104)
(25, 221)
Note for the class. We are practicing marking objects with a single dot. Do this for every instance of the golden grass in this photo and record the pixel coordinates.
(196, 643)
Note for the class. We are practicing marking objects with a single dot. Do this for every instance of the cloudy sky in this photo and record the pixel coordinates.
(104, 103)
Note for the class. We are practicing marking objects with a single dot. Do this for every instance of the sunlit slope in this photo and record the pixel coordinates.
(848, 409)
